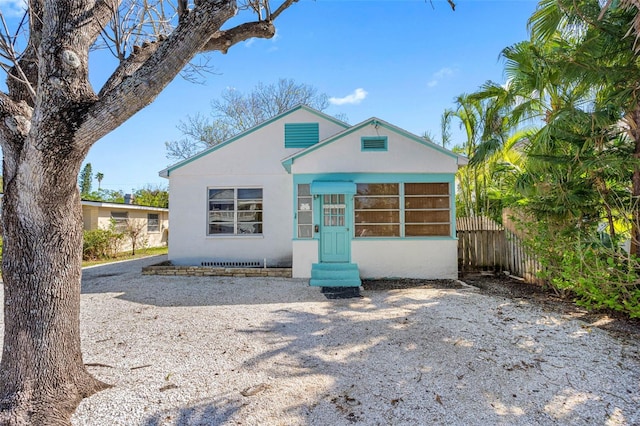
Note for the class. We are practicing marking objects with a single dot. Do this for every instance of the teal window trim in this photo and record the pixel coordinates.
(374, 143)
(297, 211)
(400, 178)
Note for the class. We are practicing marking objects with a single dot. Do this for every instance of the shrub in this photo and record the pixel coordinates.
(580, 263)
(101, 244)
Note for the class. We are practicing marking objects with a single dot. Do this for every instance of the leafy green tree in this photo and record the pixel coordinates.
(574, 85)
(487, 182)
(597, 59)
(154, 196)
(86, 176)
(105, 195)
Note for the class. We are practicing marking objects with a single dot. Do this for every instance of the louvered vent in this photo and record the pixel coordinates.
(301, 135)
(233, 264)
(374, 144)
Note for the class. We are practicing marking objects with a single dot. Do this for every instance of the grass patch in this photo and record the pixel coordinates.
(151, 251)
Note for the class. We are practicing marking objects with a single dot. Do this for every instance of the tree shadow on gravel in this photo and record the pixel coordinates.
(432, 356)
(204, 413)
(416, 355)
(420, 356)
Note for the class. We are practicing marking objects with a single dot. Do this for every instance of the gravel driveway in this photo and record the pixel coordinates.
(210, 350)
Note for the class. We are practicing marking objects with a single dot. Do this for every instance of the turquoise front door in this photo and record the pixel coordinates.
(335, 240)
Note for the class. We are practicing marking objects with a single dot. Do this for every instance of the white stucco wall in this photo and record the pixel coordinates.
(251, 161)
(404, 155)
(189, 243)
(428, 259)
(305, 254)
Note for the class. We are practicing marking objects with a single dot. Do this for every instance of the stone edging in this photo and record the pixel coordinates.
(205, 271)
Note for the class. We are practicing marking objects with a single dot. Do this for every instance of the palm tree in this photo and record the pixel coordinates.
(598, 60)
(494, 154)
(99, 177)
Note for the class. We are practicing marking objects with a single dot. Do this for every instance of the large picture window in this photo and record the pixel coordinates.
(402, 210)
(377, 210)
(235, 211)
(426, 209)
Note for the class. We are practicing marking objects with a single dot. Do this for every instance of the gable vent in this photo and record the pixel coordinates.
(301, 135)
(374, 143)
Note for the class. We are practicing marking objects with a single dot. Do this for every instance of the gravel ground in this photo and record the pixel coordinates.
(213, 351)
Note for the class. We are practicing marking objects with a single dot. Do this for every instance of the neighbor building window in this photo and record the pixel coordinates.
(426, 209)
(305, 211)
(119, 220)
(377, 210)
(153, 222)
(234, 211)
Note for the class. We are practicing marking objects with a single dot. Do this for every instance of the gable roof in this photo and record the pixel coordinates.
(460, 159)
(166, 172)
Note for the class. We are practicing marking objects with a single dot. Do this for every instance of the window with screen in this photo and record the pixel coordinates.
(234, 211)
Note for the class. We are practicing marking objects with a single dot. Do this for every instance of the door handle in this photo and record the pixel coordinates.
(316, 228)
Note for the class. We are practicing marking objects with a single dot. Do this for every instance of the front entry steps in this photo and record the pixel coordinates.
(335, 275)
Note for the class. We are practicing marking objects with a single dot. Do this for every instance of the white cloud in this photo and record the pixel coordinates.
(440, 75)
(355, 98)
(250, 42)
(13, 7)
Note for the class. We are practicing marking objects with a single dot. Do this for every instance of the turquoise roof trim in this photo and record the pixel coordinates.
(319, 187)
(461, 160)
(167, 172)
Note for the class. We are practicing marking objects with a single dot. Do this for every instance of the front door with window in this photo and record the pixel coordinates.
(335, 241)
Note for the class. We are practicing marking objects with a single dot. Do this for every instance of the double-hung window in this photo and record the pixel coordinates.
(153, 222)
(234, 211)
(120, 220)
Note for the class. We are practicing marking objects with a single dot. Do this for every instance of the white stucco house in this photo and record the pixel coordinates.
(335, 202)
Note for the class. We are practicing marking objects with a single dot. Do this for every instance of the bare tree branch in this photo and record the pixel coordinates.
(223, 40)
(8, 52)
(281, 9)
(150, 76)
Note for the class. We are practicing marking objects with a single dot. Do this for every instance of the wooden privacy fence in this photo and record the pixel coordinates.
(485, 245)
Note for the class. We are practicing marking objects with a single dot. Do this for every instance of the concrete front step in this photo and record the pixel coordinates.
(335, 275)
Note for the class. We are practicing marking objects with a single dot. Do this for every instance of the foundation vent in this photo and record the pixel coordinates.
(234, 264)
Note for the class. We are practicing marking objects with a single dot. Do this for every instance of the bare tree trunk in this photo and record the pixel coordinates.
(48, 122)
(42, 375)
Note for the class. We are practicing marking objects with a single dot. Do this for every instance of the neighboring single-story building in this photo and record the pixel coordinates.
(153, 220)
(335, 202)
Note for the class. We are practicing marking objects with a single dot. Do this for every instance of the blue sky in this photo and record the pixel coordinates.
(403, 61)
